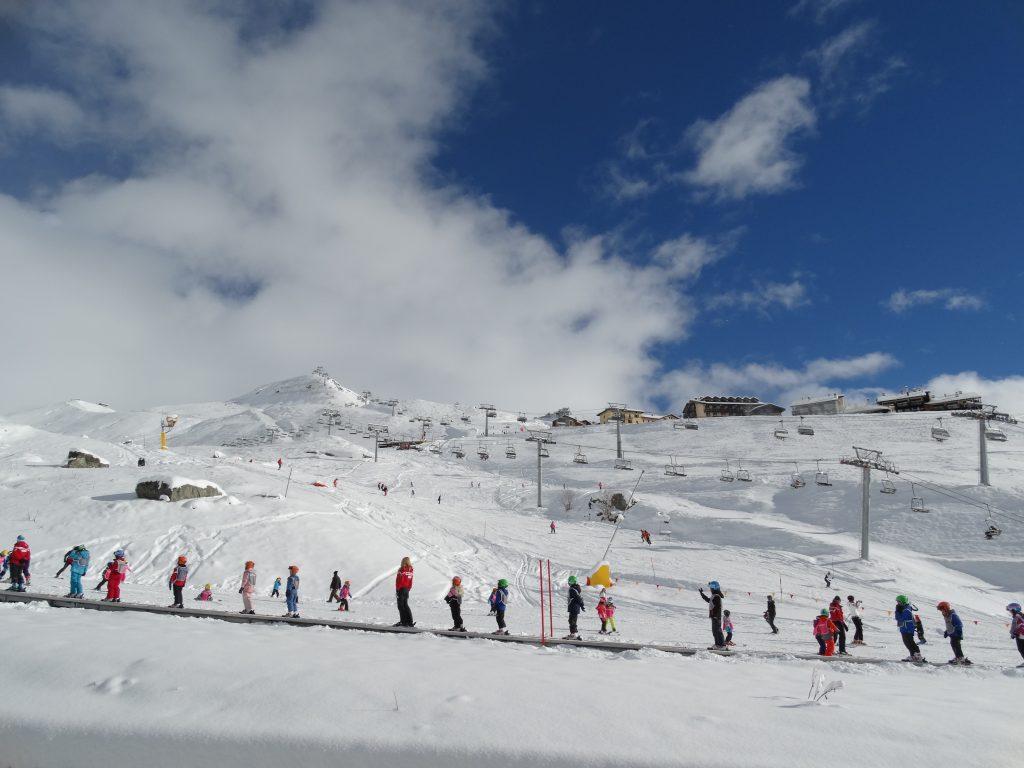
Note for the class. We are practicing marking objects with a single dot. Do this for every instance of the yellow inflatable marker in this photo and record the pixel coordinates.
(602, 577)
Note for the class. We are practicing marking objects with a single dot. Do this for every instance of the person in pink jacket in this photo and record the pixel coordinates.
(602, 614)
(247, 587)
(610, 610)
(344, 595)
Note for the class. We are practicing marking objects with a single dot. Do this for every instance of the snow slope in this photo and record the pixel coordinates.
(756, 538)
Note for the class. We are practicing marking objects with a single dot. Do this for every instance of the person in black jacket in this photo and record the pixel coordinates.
(769, 615)
(715, 613)
(335, 586)
(575, 606)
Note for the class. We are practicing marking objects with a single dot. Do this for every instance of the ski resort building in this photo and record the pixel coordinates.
(729, 405)
(631, 416)
(922, 400)
(815, 406)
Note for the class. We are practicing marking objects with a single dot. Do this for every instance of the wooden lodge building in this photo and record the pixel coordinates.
(729, 405)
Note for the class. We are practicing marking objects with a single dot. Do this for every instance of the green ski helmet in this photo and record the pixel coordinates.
(902, 600)
(572, 579)
(503, 583)
(824, 612)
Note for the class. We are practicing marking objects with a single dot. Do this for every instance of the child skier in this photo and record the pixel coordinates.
(904, 615)
(454, 600)
(575, 607)
(207, 594)
(1017, 627)
(18, 561)
(491, 599)
(500, 605)
(115, 574)
(276, 591)
(769, 615)
(715, 613)
(954, 631)
(853, 608)
(291, 592)
(610, 607)
(919, 628)
(5, 555)
(176, 581)
(103, 576)
(345, 594)
(79, 565)
(602, 614)
(248, 587)
(835, 612)
(403, 586)
(727, 627)
(552, 526)
(824, 630)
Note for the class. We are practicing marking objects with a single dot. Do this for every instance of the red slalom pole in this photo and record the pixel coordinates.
(551, 602)
(540, 563)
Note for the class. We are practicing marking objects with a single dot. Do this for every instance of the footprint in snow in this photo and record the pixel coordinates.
(113, 685)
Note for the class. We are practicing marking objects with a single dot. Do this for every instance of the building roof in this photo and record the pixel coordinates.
(956, 397)
(906, 394)
(726, 399)
(822, 399)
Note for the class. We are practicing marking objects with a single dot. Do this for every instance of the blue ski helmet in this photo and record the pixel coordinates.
(20, 538)
(1013, 607)
(714, 585)
(118, 553)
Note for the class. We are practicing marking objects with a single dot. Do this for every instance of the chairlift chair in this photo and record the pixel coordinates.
(580, 457)
(544, 452)
(993, 530)
(888, 486)
(820, 478)
(510, 452)
(679, 425)
(727, 476)
(916, 502)
(521, 417)
(940, 433)
(435, 448)
(781, 433)
(458, 452)
(483, 454)
(492, 413)
(691, 424)
(996, 434)
(445, 422)
(623, 464)
(743, 475)
(796, 480)
(804, 429)
(461, 418)
(676, 470)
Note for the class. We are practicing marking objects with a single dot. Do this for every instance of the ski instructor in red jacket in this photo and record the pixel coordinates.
(403, 584)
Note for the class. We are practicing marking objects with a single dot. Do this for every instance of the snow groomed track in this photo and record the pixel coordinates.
(239, 618)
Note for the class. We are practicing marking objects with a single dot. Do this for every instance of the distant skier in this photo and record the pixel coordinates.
(248, 586)
(500, 606)
(206, 595)
(575, 608)
(454, 600)
(552, 526)
(610, 607)
(853, 609)
(276, 589)
(291, 592)
(438, 498)
(824, 631)
(115, 575)
(176, 581)
(346, 593)
(727, 627)
(602, 614)
(79, 565)
(1017, 627)
(403, 585)
(335, 586)
(385, 489)
(18, 562)
(904, 615)
(715, 613)
(954, 631)
(600, 486)
(769, 615)
(280, 463)
(835, 612)
(335, 482)
(919, 628)
(828, 579)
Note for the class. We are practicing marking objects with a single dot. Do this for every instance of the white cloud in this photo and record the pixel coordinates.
(772, 382)
(831, 54)
(762, 297)
(684, 257)
(849, 72)
(748, 150)
(950, 298)
(39, 110)
(819, 10)
(1006, 394)
(283, 212)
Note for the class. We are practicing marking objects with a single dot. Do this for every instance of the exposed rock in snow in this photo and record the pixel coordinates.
(85, 460)
(176, 489)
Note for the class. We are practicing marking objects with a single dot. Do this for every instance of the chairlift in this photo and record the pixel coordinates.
(624, 464)
(461, 418)
(916, 502)
(796, 480)
(940, 433)
(491, 412)
(743, 475)
(435, 448)
(510, 452)
(691, 424)
(544, 452)
(727, 476)
(996, 434)
(580, 457)
(482, 453)
(678, 425)
(676, 470)
(781, 433)
(888, 486)
(521, 417)
(820, 478)
(804, 429)
(445, 421)
(993, 530)
(458, 452)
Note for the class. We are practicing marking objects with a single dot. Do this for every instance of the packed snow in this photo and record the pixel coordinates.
(202, 690)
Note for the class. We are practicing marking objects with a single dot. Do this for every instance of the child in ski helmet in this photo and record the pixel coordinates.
(853, 609)
(1017, 627)
(207, 594)
(904, 615)
(115, 574)
(176, 581)
(500, 605)
(610, 609)
(344, 595)
(715, 613)
(248, 587)
(727, 627)
(575, 607)
(291, 592)
(602, 614)
(954, 631)
(824, 630)
(79, 565)
(454, 600)
(4, 557)
(276, 589)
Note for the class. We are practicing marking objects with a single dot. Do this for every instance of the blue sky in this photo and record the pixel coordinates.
(568, 202)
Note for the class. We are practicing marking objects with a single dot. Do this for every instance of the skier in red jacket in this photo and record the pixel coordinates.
(177, 580)
(403, 584)
(824, 631)
(116, 572)
(835, 613)
(18, 561)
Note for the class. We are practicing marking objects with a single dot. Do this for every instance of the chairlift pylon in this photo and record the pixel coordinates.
(804, 429)
(796, 480)
(916, 502)
(820, 478)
